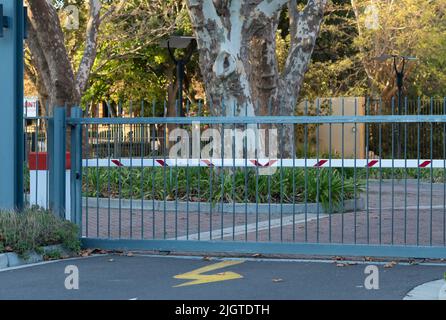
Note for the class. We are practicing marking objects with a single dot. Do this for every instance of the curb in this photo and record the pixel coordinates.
(229, 208)
(11, 259)
(434, 290)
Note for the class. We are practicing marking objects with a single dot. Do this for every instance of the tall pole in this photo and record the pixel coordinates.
(11, 104)
(181, 65)
(180, 76)
(400, 84)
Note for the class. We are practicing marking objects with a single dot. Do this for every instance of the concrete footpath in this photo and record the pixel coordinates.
(177, 278)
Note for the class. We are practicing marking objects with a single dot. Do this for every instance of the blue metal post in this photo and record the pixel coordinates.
(58, 162)
(50, 159)
(76, 169)
(11, 104)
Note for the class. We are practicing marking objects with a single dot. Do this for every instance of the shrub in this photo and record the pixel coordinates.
(286, 185)
(33, 229)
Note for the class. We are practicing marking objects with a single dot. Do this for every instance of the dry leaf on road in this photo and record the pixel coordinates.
(390, 264)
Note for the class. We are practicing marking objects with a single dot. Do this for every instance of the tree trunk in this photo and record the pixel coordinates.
(236, 41)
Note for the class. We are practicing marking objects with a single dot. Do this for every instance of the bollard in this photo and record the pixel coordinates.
(39, 181)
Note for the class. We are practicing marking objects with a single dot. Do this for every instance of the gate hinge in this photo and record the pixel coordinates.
(25, 22)
(4, 21)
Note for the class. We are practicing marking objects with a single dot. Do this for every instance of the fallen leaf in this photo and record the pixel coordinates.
(257, 255)
(86, 253)
(206, 259)
(339, 258)
(130, 254)
(100, 252)
(111, 260)
(340, 265)
(390, 265)
(277, 280)
(413, 262)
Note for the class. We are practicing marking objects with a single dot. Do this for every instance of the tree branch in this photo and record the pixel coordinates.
(307, 25)
(292, 12)
(270, 7)
(90, 51)
(203, 10)
(112, 10)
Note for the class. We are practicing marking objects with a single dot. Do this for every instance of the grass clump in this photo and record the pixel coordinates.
(33, 229)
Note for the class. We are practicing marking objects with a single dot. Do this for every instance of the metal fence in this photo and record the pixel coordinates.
(361, 181)
(412, 142)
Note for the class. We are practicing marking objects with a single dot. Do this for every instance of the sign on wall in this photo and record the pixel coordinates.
(30, 107)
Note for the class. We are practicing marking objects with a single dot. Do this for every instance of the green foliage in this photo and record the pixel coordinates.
(33, 229)
(130, 63)
(201, 184)
(52, 255)
(409, 27)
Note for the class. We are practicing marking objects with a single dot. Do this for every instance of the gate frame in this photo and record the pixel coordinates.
(11, 93)
(76, 170)
(238, 247)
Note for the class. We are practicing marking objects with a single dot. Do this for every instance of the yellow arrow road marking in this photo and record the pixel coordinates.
(199, 278)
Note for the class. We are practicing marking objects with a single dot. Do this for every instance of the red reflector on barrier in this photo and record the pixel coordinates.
(38, 161)
(425, 164)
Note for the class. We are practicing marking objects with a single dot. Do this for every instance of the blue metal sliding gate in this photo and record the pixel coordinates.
(369, 183)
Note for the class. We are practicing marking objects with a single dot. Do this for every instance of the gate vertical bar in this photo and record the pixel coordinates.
(50, 158)
(76, 170)
(58, 157)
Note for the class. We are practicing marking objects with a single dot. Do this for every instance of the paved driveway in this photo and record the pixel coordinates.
(151, 277)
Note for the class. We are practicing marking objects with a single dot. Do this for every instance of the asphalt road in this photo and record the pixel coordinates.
(148, 277)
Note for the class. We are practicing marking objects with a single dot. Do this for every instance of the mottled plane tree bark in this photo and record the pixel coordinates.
(236, 41)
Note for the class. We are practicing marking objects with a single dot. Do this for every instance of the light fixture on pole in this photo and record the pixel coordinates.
(179, 42)
(400, 74)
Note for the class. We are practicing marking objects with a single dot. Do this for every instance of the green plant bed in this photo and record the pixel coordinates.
(33, 229)
(205, 185)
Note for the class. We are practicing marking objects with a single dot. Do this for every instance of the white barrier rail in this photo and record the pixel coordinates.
(265, 163)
